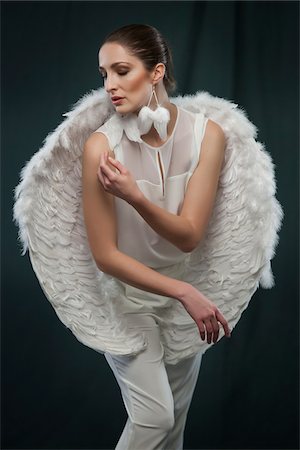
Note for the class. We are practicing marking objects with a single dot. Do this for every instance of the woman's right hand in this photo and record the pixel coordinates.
(204, 312)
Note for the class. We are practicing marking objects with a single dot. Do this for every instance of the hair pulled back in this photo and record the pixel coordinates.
(146, 43)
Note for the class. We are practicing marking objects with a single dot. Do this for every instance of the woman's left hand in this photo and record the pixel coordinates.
(119, 182)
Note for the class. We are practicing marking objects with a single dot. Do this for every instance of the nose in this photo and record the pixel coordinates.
(110, 85)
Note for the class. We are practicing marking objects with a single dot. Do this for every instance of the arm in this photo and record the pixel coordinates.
(186, 229)
(100, 222)
(174, 228)
(99, 216)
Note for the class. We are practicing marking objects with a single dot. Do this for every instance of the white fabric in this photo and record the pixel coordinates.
(156, 395)
(179, 157)
(233, 258)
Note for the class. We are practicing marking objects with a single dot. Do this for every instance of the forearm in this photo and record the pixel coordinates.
(174, 228)
(137, 274)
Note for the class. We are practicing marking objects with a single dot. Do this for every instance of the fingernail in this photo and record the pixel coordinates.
(111, 158)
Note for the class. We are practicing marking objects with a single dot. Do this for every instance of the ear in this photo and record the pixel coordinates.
(159, 72)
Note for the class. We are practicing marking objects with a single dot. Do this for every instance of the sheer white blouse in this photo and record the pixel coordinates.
(162, 174)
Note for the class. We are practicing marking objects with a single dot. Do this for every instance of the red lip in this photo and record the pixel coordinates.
(116, 98)
(118, 101)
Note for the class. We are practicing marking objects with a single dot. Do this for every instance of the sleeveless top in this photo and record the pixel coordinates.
(162, 174)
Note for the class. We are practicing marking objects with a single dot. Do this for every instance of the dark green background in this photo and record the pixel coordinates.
(59, 394)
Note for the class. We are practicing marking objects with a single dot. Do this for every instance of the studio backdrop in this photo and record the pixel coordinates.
(60, 394)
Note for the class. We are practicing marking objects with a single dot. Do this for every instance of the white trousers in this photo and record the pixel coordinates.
(156, 395)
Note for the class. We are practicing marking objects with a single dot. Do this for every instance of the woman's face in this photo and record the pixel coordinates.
(124, 76)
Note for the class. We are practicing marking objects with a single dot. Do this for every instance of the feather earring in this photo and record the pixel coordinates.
(160, 118)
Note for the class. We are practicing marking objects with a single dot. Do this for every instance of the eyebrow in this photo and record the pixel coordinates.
(115, 64)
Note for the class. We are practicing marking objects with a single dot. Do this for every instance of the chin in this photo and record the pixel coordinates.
(120, 108)
(126, 110)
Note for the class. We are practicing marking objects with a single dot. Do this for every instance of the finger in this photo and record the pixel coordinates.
(103, 160)
(107, 171)
(99, 172)
(201, 330)
(117, 164)
(223, 321)
(209, 330)
(216, 328)
(109, 160)
(104, 180)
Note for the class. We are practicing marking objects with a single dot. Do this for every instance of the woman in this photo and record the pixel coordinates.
(135, 237)
(122, 247)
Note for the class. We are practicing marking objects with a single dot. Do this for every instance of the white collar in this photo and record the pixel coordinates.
(129, 124)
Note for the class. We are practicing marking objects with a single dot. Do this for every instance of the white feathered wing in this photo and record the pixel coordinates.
(227, 266)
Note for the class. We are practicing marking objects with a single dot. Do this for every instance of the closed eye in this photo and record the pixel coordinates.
(120, 73)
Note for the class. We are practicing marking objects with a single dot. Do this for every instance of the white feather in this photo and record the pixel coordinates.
(227, 266)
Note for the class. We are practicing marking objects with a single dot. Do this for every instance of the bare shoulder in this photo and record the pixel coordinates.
(214, 130)
(96, 144)
(213, 142)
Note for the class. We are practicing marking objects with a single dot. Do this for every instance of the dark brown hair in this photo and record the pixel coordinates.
(146, 43)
